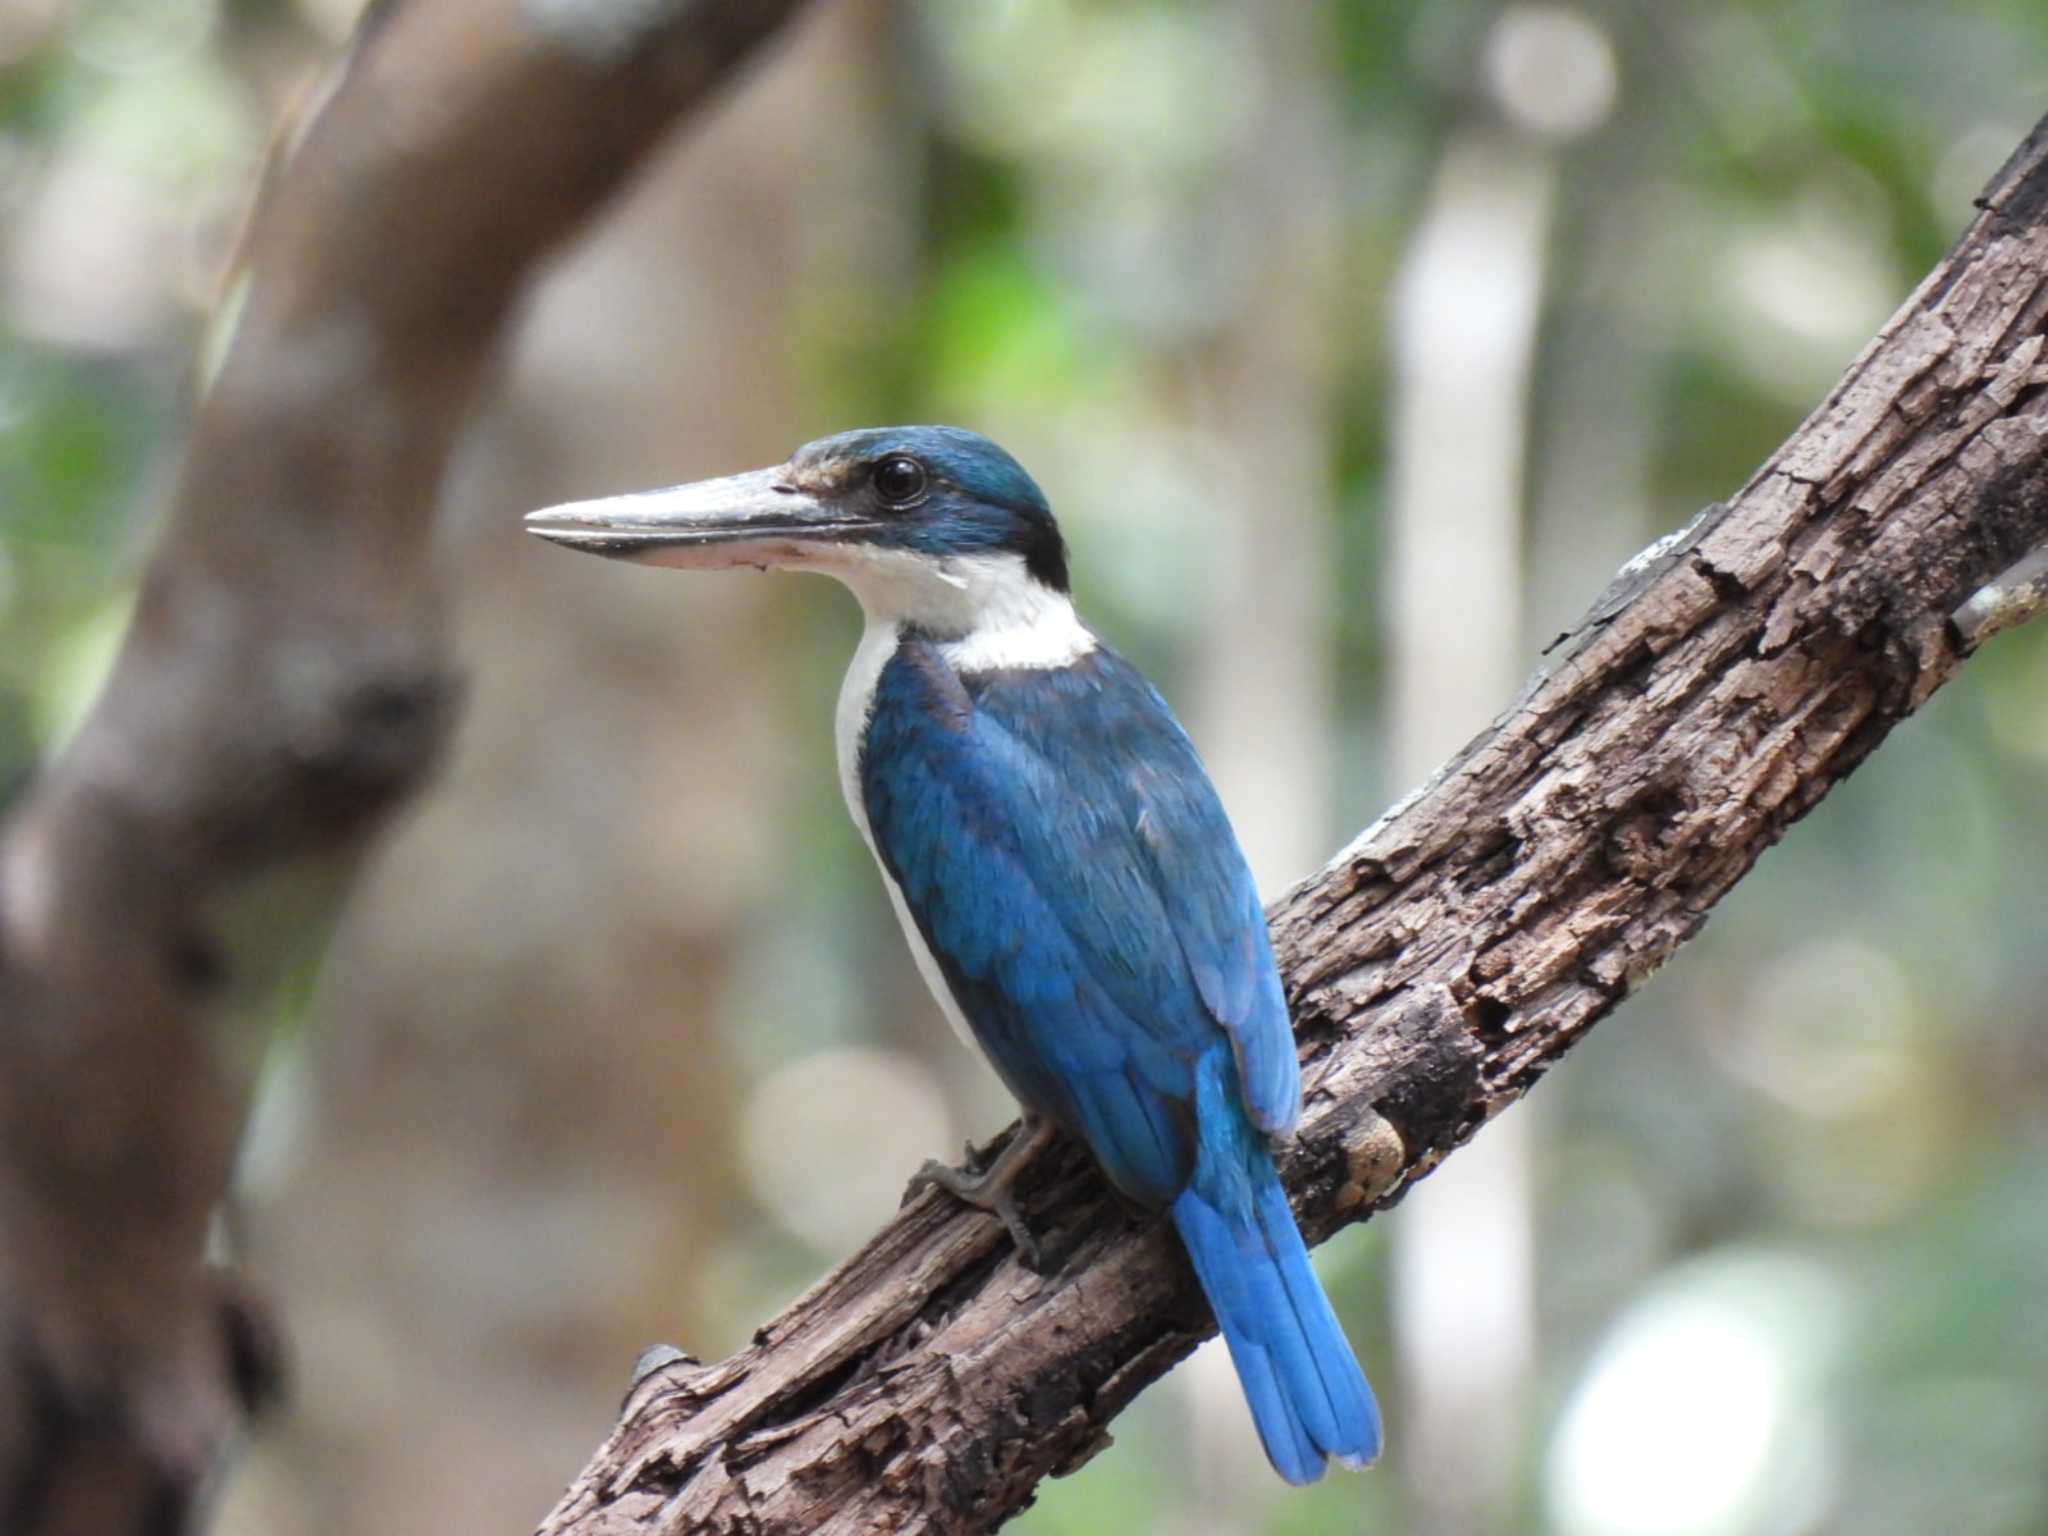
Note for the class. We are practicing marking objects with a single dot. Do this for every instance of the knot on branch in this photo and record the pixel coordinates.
(347, 736)
(1375, 1159)
(377, 731)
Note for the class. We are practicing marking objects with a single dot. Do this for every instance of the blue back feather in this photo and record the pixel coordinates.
(1071, 869)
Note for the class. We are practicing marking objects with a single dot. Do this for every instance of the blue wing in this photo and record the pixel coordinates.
(1070, 868)
(1067, 863)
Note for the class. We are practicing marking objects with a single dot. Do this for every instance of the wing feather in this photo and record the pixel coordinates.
(1090, 909)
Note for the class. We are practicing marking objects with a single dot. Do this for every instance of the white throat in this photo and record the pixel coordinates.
(986, 612)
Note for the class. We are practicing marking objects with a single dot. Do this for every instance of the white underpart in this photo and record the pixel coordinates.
(986, 613)
(856, 700)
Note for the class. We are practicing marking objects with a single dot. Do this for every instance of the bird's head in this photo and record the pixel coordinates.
(914, 519)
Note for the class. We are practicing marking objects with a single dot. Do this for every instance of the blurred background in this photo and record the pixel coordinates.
(1357, 345)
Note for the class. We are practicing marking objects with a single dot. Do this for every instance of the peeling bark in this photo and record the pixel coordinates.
(283, 687)
(1438, 966)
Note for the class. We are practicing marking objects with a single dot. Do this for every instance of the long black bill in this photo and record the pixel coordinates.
(758, 518)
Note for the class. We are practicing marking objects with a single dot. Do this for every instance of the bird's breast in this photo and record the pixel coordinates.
(878, 644)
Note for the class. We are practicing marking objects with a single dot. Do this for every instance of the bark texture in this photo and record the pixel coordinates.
(283, 687)
(1729, 677)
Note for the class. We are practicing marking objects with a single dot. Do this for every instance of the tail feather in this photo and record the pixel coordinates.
(1307, 1395)
(1351, 1429)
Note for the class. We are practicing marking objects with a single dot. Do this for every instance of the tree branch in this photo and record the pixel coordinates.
(1728, 679)
(282, 688)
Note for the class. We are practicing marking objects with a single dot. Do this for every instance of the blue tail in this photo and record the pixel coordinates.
(1308, 1396)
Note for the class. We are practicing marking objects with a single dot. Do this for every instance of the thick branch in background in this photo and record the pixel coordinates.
(283, 687)
(1730, 677)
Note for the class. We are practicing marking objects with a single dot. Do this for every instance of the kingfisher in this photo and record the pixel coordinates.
(1060, 863)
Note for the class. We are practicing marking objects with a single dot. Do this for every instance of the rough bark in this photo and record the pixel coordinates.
(1439, 965)
(283, 687)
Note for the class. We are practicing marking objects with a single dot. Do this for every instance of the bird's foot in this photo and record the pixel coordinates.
(994, 1189)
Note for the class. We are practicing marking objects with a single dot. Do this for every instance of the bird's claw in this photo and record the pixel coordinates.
(992, 1191)
(985, 1193)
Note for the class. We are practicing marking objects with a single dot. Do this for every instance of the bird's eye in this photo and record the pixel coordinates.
(899, 480)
